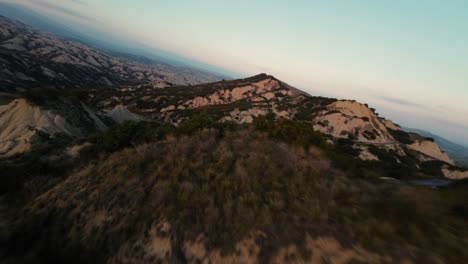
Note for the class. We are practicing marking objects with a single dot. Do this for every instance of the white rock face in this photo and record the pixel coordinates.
(158, 84)
(344, 118)
(199, 102)
(167, 109)
(74, 151)
(455, 174)
(432, 150)
(269, 95)
(258, 90)
(366, 155)
(246, 116)
(121, 114)
(390, 124)
(21, 123)
(25, 126)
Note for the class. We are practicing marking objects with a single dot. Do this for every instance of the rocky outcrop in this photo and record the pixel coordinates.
(121, 114)
(246, 116)
(455, 174)
(25, 126)
(350, 119)
(358, 122)
(257, 91)
(431, 150)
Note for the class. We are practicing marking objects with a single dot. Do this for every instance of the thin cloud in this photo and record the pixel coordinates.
(79, 2)
(64, 10)
(402, 102)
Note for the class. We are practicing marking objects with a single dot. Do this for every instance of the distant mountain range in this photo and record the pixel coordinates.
(457, 152)
(34, 59)
(100, 40)
(50, 25)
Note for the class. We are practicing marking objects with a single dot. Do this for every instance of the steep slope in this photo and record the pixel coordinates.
(456, 151)
(349, 119)
(32, 58)
(429, 149)
(120, 114)
(25, 126)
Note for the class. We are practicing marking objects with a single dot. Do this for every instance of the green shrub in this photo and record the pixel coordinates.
(293, 132)
(204, 120)
(401, 136)
(131, 133)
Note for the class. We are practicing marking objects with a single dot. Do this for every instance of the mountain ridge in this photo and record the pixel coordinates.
(34, 58)
(108, 44)
(457, 151)
(356, 126)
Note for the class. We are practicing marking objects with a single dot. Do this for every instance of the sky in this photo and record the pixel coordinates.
(407, 59)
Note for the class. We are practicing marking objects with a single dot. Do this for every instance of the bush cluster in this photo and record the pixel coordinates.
(131, 133)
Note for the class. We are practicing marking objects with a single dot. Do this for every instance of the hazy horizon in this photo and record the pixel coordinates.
(407, 60)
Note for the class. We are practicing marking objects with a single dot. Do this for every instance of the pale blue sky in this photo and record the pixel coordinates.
(408, 59)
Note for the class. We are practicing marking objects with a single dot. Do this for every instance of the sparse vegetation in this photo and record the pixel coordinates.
(401, 136)
(131, 133)
(293, 132)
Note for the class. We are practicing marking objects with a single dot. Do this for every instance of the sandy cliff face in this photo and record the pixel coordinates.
(24, 125)
(431, 150)
(356, 121)
(120, 114)
(350, 119)
(455, 174)
(260, 89)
